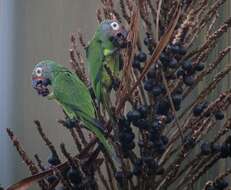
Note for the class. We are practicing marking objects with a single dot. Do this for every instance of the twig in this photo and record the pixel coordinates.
(29, 163)
(172, 105)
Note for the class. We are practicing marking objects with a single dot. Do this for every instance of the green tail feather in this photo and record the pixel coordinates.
(94, 126)
(108, 146)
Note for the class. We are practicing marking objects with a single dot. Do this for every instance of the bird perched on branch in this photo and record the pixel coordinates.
(73, 96)
(103, 58)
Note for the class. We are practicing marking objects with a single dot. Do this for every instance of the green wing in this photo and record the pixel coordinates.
(95, 59)
(76, 101)
(69, 89)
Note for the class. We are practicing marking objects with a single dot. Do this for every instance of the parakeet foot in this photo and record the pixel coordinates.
(71, 123)
(115, 84)
(92, 93)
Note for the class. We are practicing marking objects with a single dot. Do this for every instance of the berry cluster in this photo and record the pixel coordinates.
(126, 136)
(147, 165)
(140, 58)
(209, 148)
(223, 149)
(159, 141)
(201, 107)
(188, 70)
(75, 177)
(138, 117)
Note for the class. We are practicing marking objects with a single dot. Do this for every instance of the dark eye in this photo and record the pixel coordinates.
(38, 71)
(115, 26)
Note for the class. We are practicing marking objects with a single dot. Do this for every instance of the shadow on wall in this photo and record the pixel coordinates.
(32, 31)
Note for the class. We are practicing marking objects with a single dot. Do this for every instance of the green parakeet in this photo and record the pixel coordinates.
(103, 56)
(73, 96)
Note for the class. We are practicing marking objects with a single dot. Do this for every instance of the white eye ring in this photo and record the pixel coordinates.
(38, 71)
(115, 26)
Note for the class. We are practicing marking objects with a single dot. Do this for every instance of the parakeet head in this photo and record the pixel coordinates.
(112, 30)
(42, 76)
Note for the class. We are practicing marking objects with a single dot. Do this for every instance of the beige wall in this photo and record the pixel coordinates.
(34, 30)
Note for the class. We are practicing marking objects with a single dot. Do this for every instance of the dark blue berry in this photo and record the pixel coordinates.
(74, 176)
(198, 109)
(164, 58)
(133, 115)
(51, 179)
(162, 107)
(225, 150)
(70, 123)
(199, 67)
(219, 115)
(177, 99)
(180, 73)
(157, 125)
(156, 90)
(215, 148)
(53, 160)
(141, 124)
(177, 49)
(143, 110)
(126, 137)
(188, 80)
(148, 85)
(206, 148)
(187, 66)
(148, 40)
(123, 123)
(142, 57)
(173, 63)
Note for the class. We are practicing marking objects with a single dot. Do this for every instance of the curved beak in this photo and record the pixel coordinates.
(120, 38)
(122, 33)
(40, 85)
